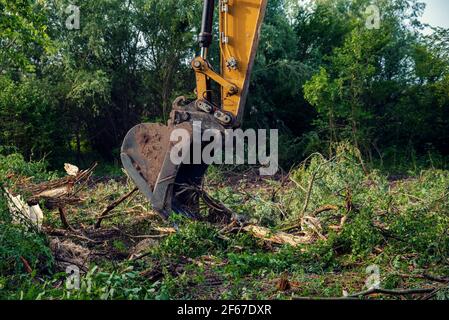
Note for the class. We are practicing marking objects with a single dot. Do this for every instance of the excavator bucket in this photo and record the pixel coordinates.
(169, 187)
(143, 153)
(146, 157)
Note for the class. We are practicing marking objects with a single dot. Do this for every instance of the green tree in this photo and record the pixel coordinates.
(23, 34)
(357, 93)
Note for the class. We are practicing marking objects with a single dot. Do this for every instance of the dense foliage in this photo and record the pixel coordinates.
(322, 75)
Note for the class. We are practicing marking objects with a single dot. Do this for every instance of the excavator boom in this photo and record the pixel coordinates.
(239, 30)
(147, 148)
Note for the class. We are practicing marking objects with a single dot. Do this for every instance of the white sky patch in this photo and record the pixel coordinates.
(436, 13)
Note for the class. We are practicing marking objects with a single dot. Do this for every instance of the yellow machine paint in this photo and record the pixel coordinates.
(239, 30)
(147, 147)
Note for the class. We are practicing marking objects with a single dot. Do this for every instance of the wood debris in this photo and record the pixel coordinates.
(54, 194)
(278, 237)
(20, 210)
(60, 192)
(68, 253)
(284, 283)
(112, 206)
(71, 169)
(165, 230)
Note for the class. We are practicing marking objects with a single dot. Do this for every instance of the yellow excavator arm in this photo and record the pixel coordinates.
(146, 150)
(240, 22)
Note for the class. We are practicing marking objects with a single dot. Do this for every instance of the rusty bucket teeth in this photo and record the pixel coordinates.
(145, 156)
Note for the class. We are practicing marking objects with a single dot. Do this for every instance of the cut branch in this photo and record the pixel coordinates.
(392, 292)
(374, 291)
(112, 206)
(64, 220)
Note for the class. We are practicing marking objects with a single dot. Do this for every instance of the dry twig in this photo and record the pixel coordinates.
(401, 292)
(112, 206)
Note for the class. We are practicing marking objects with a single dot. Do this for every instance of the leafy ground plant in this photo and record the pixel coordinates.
(356, 220)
